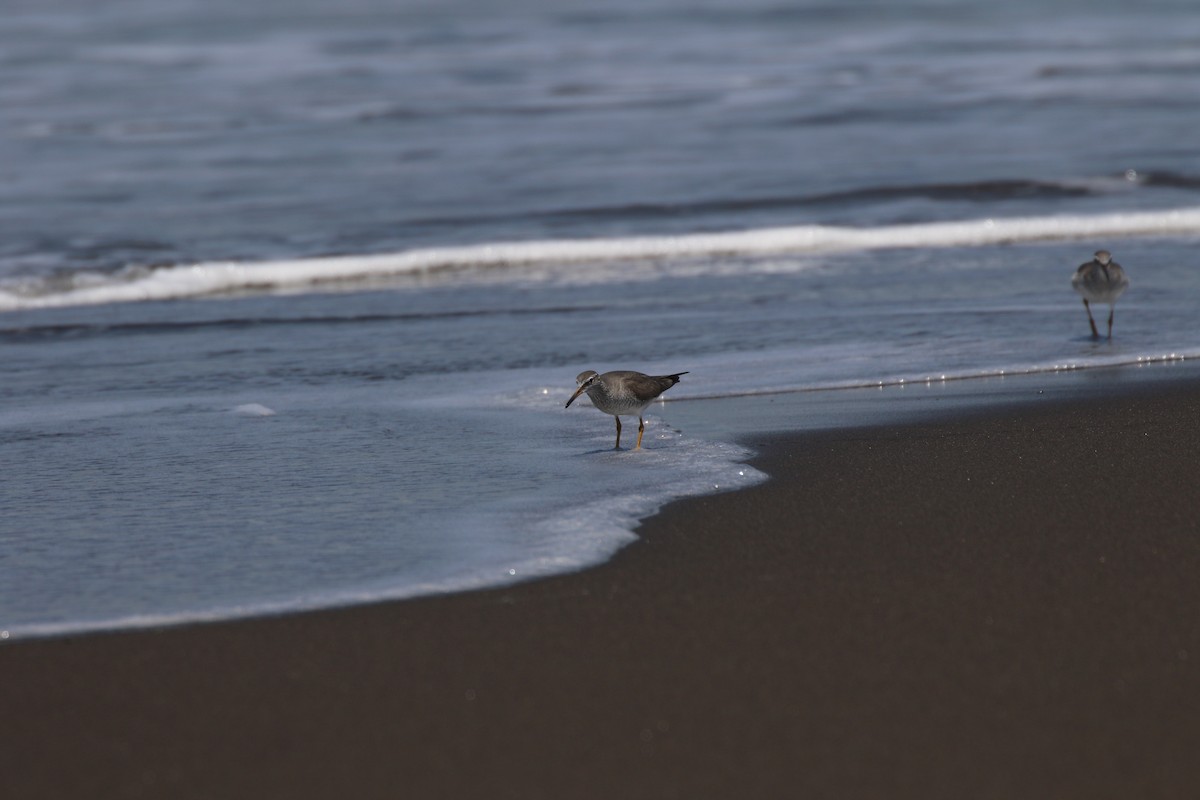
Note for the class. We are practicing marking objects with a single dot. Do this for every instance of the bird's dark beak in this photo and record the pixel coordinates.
(578, 392)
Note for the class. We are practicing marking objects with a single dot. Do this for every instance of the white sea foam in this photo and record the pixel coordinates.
(215, 278)
(784, 371)
(253, 410)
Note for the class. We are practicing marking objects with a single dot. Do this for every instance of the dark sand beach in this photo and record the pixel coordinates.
(1000, 604)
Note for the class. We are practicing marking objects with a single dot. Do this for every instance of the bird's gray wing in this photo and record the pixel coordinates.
(648, 386)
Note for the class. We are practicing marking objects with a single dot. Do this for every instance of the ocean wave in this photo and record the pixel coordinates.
(20, 334)
(141, 283)
(972, 191)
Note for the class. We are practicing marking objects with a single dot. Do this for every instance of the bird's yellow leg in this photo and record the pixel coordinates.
(618, 444)
(641, 428)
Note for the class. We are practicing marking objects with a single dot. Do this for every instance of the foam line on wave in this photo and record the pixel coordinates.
(215, 278)
(947, 377)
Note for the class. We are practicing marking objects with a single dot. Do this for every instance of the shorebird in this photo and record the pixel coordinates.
(623, 392)
(1101, 280)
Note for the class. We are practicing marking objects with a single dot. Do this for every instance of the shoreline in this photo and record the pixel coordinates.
(743, 419)
(990, 603)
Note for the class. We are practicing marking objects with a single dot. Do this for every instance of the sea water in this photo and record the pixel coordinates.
(293, 294)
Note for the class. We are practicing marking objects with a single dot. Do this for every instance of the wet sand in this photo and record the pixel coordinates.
(1000, 604)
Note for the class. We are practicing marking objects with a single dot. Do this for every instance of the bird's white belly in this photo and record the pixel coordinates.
(619, 406)
(1104, 293)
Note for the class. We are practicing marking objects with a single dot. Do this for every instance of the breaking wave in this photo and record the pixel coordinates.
(312, 274)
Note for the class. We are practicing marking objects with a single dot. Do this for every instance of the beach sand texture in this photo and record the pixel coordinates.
(996, 605)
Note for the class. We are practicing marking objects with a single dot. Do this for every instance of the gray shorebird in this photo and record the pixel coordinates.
(1101, 280)
(623, 393)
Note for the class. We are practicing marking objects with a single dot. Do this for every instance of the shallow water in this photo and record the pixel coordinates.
(374, 247)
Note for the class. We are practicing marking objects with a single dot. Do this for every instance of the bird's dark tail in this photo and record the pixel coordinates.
(672, 379)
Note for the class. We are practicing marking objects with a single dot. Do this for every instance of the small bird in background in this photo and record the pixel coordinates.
(1101, 280)
(623, 392)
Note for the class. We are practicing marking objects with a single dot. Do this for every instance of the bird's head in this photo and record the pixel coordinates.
(584, 380)
(1103, 257)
